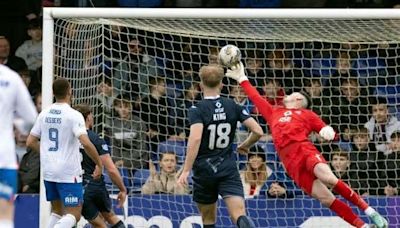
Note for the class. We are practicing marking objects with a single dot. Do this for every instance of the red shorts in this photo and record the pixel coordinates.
(299, 160)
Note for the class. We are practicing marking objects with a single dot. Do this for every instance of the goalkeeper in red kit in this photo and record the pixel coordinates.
(290, 127)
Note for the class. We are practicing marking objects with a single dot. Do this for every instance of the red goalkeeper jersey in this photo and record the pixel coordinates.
(287, 125)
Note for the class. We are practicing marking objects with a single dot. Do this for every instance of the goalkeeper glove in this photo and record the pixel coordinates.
(327, 133)
(237, 73)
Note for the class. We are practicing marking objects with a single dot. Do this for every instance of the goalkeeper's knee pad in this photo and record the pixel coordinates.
(245, 222)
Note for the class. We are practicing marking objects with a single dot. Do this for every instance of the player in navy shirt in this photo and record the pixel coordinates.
(212, 130)
(96, 198)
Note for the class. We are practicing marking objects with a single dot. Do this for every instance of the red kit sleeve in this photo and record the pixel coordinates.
(262, 105)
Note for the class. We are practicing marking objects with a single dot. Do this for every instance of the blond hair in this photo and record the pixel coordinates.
(211, 75)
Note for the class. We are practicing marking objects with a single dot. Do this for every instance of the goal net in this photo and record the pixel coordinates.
(140, 76)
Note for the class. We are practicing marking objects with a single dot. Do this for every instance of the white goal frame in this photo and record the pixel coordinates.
(49, 14)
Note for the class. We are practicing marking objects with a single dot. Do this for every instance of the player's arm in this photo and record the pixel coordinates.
(32, 141)
(256, 133)
(115, 177)
(91, 151)
(318, 125)
(237, 73)
(196, 131)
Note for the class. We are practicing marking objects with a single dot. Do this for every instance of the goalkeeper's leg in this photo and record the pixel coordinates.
(326, 176)
(237, 211)
(326, 197)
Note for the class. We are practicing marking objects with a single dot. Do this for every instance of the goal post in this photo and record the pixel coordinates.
(91, 46)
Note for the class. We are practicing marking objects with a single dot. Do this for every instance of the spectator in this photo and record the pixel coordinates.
(273, 92)
(255, 173)
(132, 74)
(104, 102)
(183, 104)
(351, 109)
(381, 125)
(29, 166)
(340, 164)
(255, 67)
(154, 112)
(343, 70)
(13, 62)
(282, 67)
(29, 172)
(26, 77)
(38, 102)
(364, 165)
(238, 95)
(390, 164)
(31, 50)
(165, 181)
(127, 133)
(115, 46)
(321, 98)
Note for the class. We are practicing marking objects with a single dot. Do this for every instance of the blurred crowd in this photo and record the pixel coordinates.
(140, 85)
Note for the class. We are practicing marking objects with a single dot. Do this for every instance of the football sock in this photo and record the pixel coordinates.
(245, 222)
(119, 224)
(6, 223)
(344, 190)
(345, 212)
(209, 226)
(53, 220)
(67, 221)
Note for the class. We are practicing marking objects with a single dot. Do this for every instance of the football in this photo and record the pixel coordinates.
(229, 55)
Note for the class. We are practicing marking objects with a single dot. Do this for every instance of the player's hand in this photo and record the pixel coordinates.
(327, 133)
(236, 72)
(183, 178)
(98, 171)
(242, 149)
(121, 198)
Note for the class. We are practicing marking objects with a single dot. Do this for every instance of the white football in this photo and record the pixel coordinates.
(229, 55)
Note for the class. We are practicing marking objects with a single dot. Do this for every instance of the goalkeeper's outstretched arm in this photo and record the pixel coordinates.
(237, 73)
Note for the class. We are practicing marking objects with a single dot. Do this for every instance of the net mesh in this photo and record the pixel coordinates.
(140, 77)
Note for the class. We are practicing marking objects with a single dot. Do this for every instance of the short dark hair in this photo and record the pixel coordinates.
(273, 81)
(35, 24)
(122, 98)
(378, 100)
(61, 88)
(211, 75)
(84, 109)
(340, 153)
(257, 151)
(395, 135)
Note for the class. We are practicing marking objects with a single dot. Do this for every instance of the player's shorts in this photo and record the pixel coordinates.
(206, 188)
(70, 194)
(8, 183)
(300, 167)
(95, 200)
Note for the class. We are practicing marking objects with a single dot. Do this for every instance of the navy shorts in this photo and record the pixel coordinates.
(221, 179)
(8, 183)
(95, 200)
(70, 194)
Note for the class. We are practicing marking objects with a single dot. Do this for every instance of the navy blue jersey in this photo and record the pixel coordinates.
(219, 117)
(88, 165)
